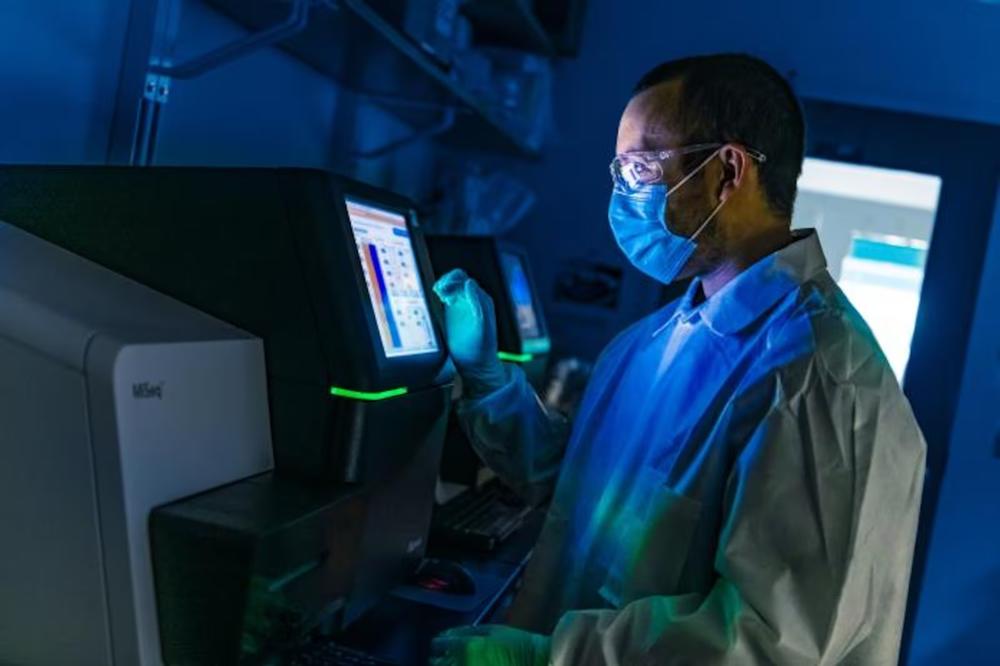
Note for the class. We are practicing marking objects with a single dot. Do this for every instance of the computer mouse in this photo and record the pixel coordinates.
(444, 576)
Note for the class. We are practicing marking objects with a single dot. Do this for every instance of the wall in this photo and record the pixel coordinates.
(58, 75)
(957, 623)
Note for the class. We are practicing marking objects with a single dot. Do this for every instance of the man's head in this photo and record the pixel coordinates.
(742, 103)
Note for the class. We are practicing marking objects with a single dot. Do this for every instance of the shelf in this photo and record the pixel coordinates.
(360, 50)
(509, 23)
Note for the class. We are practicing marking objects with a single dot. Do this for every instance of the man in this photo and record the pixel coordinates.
(743, 478)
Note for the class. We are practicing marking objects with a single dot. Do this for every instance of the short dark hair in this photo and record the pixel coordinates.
(740, 98)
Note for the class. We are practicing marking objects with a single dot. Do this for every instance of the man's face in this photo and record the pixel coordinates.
(648, 123)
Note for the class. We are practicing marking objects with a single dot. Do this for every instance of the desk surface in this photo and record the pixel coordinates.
(402, 630)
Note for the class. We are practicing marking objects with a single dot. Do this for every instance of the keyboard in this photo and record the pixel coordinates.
(331, 654)
(479, 519)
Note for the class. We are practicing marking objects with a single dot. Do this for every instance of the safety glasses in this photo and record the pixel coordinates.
(630, 171)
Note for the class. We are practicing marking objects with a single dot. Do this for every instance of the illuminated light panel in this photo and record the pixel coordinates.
(514, 358)
(856, 181)
(366, 395)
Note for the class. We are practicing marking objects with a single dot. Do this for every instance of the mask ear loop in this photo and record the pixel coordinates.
(694, 171)
(689, 177)
(708, 219)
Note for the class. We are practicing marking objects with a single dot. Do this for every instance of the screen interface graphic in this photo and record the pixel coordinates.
(393, 280)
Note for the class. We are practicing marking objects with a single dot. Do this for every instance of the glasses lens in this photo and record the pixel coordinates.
(633, 172)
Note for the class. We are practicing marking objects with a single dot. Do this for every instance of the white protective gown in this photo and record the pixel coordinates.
(741, 486)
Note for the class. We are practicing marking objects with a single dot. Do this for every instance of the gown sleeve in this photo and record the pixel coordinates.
(515, 434)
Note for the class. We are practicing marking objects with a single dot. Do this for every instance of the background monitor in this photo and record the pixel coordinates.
(520, 294)
(393, 279)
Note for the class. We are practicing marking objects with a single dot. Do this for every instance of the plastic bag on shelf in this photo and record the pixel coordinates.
(475, 202)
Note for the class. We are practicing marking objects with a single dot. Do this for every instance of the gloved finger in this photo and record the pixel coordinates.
(451, 285)
(475, 292)
(486, 303)
(475, 298)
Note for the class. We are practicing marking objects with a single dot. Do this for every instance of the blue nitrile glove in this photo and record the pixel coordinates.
(471, 327)
(489, 645)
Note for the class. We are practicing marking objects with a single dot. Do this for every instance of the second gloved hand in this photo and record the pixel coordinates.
(489, 645)
(470, 324)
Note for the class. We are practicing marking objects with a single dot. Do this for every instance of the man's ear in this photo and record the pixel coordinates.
(735, 163)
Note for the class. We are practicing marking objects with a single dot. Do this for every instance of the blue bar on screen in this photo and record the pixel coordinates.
(386, 305)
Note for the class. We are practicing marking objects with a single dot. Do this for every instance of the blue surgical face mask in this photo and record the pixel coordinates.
(639, 223)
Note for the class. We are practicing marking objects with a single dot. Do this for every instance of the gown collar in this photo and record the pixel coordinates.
(751, 294)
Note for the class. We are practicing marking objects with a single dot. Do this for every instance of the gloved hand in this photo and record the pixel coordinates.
(471, 327)
(489, 645)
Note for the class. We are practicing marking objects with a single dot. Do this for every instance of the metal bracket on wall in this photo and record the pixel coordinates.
(154, 96)
(296, 22)
(159, 76)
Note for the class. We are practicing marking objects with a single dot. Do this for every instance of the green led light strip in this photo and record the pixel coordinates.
(514, 358)
(365, 395)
